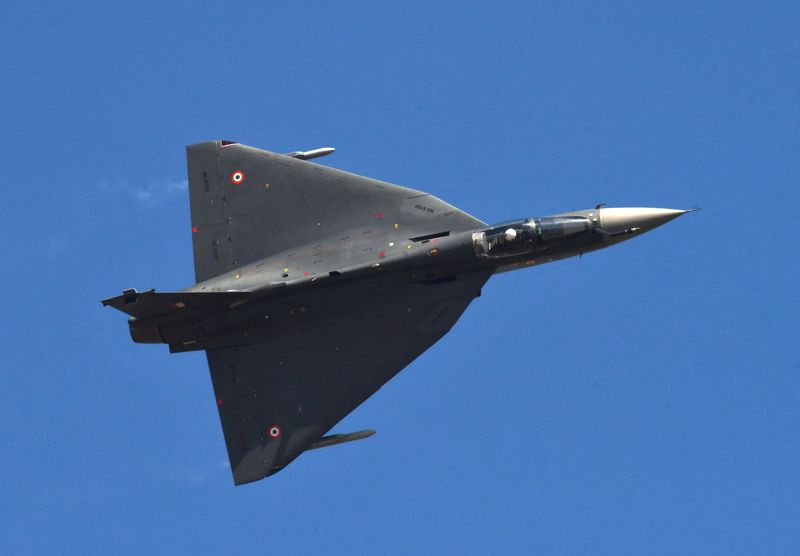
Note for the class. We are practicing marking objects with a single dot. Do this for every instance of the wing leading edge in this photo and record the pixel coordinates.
(277, 399)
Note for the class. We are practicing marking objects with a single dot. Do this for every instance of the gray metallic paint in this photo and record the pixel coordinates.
(316, 286)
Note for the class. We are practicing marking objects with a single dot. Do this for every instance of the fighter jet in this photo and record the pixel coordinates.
(316, 286)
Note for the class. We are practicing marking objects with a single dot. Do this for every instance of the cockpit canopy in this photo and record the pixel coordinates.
(505, 239)
(517, 237)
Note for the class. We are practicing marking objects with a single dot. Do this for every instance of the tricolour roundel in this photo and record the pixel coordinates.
(274, 431)
(237, 177)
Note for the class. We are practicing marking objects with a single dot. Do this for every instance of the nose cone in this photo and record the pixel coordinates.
(620, 223)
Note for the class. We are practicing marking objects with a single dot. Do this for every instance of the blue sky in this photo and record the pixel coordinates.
(643, 399)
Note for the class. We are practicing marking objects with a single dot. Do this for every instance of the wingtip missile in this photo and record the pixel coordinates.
(314, 153)
(333, 439)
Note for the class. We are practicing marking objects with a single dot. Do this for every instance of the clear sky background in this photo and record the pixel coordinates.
(640, 400)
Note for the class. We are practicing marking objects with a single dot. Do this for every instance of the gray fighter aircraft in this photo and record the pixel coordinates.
(316, 286)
